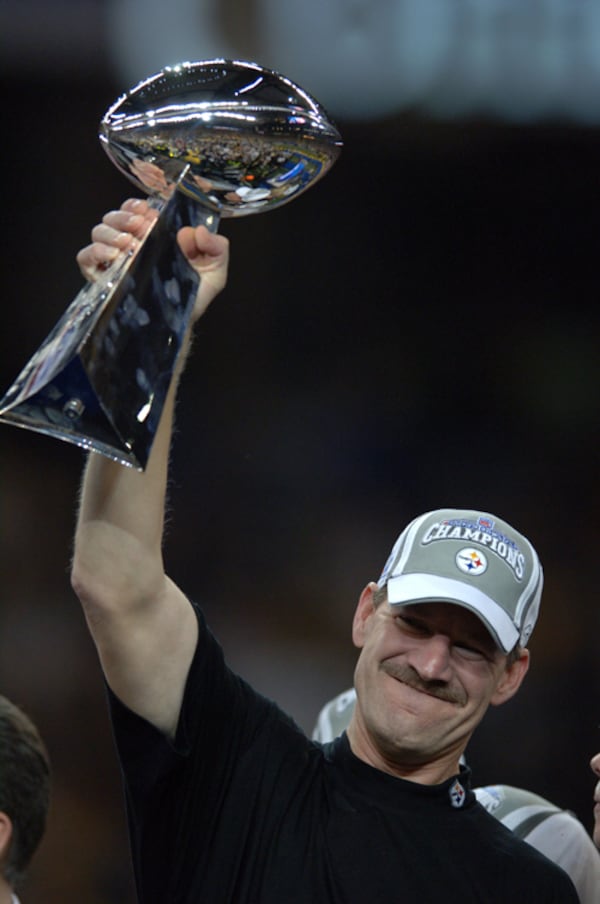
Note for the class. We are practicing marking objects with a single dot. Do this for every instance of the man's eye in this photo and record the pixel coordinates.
(468, 652)
(409, 624)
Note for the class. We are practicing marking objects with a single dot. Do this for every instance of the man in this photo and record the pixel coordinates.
(595, 764)
(24, 796)
(228, 801)
(554, 832)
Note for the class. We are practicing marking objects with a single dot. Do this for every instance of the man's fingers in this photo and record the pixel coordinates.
(132, 223)
(106, 235)
(120, 231)
(201, 247)
(95, 258)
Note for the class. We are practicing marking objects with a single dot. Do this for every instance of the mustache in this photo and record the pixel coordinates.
(407, 675)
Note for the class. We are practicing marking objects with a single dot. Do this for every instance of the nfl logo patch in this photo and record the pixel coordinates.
(457, 794)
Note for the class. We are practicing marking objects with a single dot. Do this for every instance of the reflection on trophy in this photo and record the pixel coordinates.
(204, 140)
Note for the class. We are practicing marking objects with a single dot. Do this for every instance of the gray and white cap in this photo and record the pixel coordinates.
(473, 559)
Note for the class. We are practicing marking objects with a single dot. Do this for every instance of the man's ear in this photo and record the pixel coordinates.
(364, 610)
(511, 679)
(6, 830)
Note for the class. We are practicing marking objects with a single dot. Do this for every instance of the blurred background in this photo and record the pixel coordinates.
(418, 330)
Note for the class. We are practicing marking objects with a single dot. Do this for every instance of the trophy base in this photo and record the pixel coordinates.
(68, 409)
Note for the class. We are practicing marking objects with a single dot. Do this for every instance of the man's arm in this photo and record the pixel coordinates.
(143, 626)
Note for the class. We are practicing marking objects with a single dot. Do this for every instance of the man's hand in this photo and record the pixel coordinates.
(122, 231)
(208, 254)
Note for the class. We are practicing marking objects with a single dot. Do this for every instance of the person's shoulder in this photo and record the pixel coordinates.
(565, 841)
(511, 805)
(334, 717)
(528, 815)
(544, 879)
(537, 875)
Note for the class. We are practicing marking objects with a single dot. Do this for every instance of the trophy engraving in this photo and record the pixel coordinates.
(204, 140)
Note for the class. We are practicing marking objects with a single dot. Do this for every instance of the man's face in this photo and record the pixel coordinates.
(595, 764)
(425, 676)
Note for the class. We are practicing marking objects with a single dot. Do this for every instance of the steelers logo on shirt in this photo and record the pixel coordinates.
(471, 561)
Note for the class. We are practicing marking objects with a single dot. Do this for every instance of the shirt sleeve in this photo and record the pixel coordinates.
(219, 717)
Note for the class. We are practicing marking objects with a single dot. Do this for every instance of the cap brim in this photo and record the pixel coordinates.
(429, 588)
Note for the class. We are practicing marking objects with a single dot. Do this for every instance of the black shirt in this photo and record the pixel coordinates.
(244, 809)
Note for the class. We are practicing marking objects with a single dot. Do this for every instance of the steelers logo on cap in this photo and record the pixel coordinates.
(471, 561)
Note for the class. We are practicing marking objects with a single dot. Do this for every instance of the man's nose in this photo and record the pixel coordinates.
(431, 658)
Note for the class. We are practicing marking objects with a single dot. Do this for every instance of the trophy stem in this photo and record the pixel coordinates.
(101, 377)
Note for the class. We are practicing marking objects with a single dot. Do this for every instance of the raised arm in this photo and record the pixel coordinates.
(142, 624)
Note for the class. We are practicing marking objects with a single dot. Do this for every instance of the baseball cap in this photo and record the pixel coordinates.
(472, 559)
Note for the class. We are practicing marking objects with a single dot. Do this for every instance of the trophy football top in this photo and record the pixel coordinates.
(237, 137)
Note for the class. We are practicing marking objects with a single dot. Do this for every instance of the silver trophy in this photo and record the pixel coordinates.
(204, 140)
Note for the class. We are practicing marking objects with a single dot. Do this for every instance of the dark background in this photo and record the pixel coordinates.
(420, 329)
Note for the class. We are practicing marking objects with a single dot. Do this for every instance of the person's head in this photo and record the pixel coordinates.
(595, 764)
(24, 791)
(442, 635)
